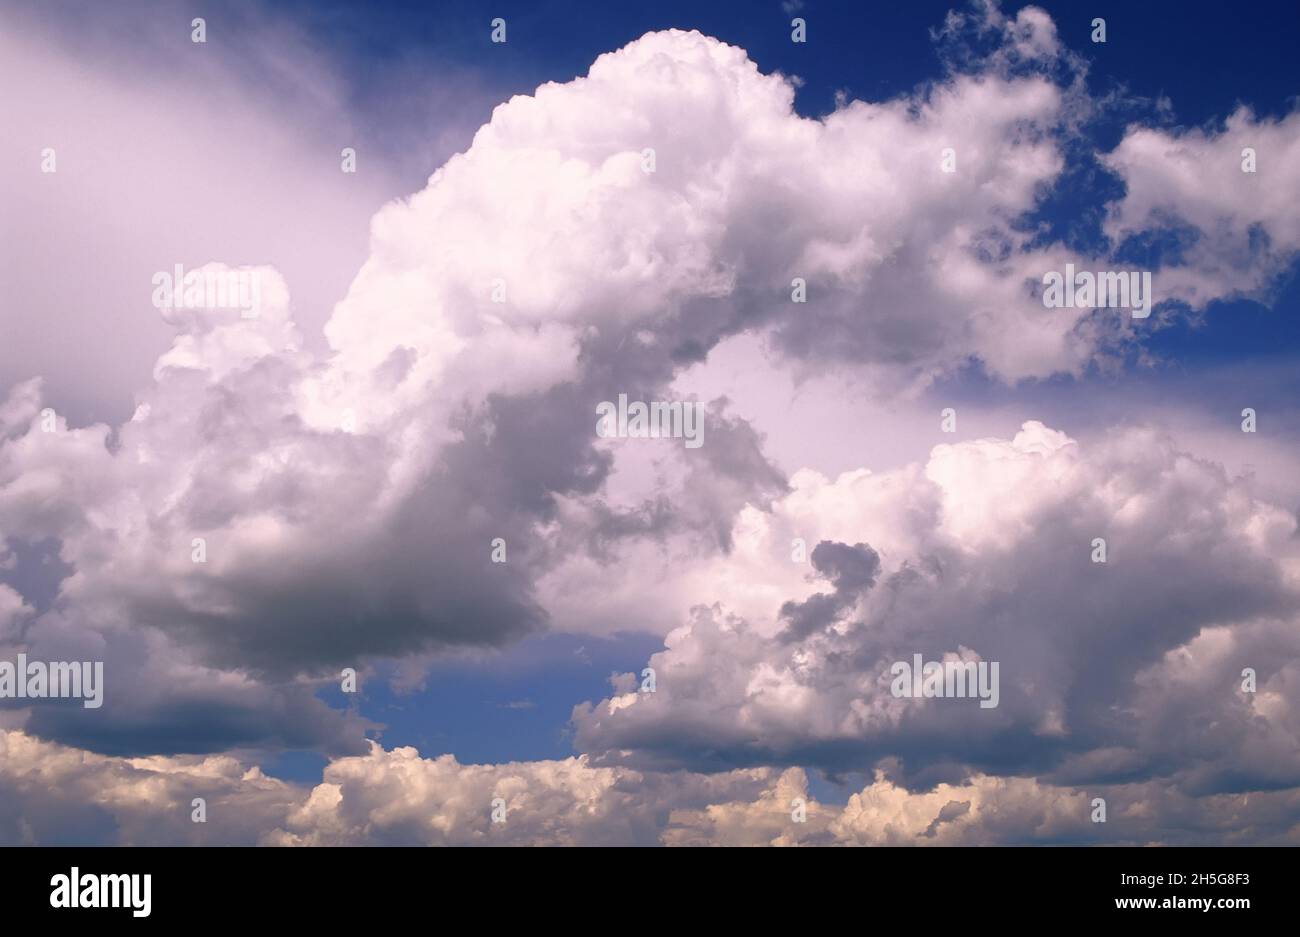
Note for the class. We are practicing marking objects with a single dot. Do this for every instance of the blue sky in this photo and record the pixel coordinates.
(1194, 52)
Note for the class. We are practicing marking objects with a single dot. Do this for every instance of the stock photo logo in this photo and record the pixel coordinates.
(773, 424)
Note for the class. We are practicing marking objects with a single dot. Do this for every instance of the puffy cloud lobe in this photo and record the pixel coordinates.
(54, 794)
(312, 553)
(1235, 231)
(985, 554)
(13, 611)
(398, 797)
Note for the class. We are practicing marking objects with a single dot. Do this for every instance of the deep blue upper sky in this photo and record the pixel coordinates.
(1203, 55)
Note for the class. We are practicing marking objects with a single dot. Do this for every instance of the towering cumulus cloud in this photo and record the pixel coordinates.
(273, 513)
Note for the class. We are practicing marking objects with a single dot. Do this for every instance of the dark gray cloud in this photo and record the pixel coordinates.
(851, 569)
